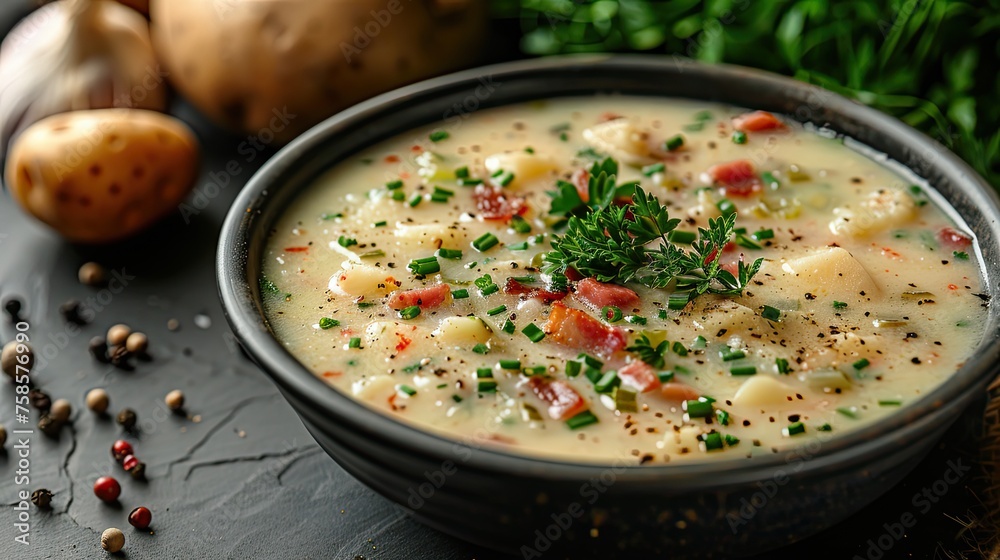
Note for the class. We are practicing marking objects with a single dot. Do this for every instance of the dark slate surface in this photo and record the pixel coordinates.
(238, 476)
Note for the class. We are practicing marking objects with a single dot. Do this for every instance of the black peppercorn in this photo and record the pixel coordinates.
(39, 400)
(127, 418)
(41, 498)
(70, 311)
(49, 425)
(119, 356)
(13, 309)
(138, 472)
(99, 349)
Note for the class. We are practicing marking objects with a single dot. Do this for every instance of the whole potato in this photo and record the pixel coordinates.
(252, 65)
(102, 175)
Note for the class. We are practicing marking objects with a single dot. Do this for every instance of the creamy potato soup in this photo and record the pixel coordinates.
(624, 278)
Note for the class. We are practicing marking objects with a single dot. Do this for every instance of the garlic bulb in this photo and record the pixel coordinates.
(72, 55)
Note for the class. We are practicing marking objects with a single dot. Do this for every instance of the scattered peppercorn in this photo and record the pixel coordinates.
(117, 334)
(129, 462)
(107, 489)
(173, 325)
(98, 401)
(112, 540)
(42, 498)
(175, 400)
(61, 410)
(127, 418)
(13, 309)
(98, 348)
(137, 343)
(119, 356)
(39, 400)
(12, 356)
(92, 274)
(3, 435)
(48, 426)
(70, 312)
(120, 449)
(138, 472)
(140, 518)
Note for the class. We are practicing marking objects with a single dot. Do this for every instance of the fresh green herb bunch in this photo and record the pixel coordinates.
(930, 63)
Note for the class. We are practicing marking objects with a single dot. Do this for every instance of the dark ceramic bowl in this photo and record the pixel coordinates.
(527, 505)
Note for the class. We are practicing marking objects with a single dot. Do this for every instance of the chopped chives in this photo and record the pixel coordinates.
(711, 441)
(611, 313)
(440, 198)
(345, 241)
(398, 196)
(508, 327)
(697, 409)
(533, 370)
(585, 418)
(444, 191)
(461, 293)
(746, 242)
(590, 360)
(469, 181)
(525, 279)
(636, 319)
(861, 364)
(462, 172)
(486, 386)
(673, 143)
(410, 312)
(503, 179)
(702, 116)
(441, 386)
(329, 216)
(365, 304)
(449, 253)
(730, 354)
(839, 305)
(679, 349)
(890, 402)
(694, 127)
(731, 440)
(510, 364)
(743, 370)
(456, 398)
(794, 429)
(520, 225)
(650, 170)
(665, 376)
(849, 412)
(483, 281)
(497, 310)
(438, 135)
(484, 373)
(782, 365)
(497, 173)
(825, 428)
(726, 207)
(485, 242)
(763, 234)
(380, 223)
(328, 323)
(678, 300)
(372, 254)
(625, 400)
(722, 416)
(680, 236)
(961, 255)
(481, 348)
(393, 185)
(407, 389)
(415, 200)
(424, 266)
(771, 313)
(355, 342)
(607, 382)
(533, 333)
(489, 290)
(572, 369)
(682, 370)
(522, 246)
(770, 180)
(739, 137)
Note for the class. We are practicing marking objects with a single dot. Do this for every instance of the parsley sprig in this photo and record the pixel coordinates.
(601, 190)
(652, 355)
(630, 243)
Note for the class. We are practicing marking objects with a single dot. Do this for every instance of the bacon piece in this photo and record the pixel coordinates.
(579, 331)
(739, 177)
(300, 249)
(494, 203)
(598, 294)
(640, 375)
(678, 392)
(572, 274)
(757, 121)
(514, 287)
(581, 180)
(426, 298)
(563, 400)
(953, 238)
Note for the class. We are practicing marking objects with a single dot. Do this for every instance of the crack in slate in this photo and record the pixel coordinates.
(242, 459)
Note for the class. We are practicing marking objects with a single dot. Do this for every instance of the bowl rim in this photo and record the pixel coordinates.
(322, 400)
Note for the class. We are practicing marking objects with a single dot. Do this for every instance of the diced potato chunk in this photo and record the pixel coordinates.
(722, 314)
(463, 331)
(375, 389)
(763, 391)
(883, 209)
(620, 139)
(429, 237)
(832, 272)
(363, 280)
(525, 167)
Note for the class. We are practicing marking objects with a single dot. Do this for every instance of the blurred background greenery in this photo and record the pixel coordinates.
(931, 63)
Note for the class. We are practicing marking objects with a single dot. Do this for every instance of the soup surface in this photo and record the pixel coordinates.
(623, 278)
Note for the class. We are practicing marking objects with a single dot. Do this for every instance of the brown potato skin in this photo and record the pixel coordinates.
(102, 175)
(241, 62)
